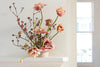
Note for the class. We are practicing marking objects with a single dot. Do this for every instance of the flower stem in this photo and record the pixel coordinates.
(41, 19)
(21, 61)
(55, 20)
(54, 35)
(53, 23)
(25, 57)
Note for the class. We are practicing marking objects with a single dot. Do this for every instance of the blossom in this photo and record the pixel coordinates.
(21, 61)
(60, 28)
(25, 46)
(39, 30)
(44, 31)
(25, 29)
(49, 22)
(21, 25)
(28, 18)
(47, 45)
(31, 37)
(39, 6)
(34, 22)
(18, 19)
(19, 33)
(10, 7)
(60, 11)
(33, 51)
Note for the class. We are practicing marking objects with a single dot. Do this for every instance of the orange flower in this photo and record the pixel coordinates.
(60, 28)
(33, 51)
(39, 6)
(60, 11)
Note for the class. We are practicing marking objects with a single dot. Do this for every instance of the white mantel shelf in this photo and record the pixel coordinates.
(31, 59)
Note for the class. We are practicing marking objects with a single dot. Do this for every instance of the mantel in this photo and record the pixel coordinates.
(32, 59)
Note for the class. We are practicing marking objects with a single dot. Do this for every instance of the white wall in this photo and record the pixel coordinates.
(65, 42)
(96, 34)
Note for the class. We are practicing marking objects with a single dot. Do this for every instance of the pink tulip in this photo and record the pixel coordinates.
(49, 22)
(47, 45)
(60, 11)
(39, 6)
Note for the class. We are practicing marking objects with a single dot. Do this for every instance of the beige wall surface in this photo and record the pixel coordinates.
(65, 42)
(96, 34)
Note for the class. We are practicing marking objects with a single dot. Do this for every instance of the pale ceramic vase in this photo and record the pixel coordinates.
(44, 54)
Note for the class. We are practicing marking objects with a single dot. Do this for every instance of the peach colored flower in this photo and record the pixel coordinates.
(44, 31)
(49, 22)
(39, 6)
(60, 28)
(39, 30)
(60, 11)
(47, 45)
(33, 51)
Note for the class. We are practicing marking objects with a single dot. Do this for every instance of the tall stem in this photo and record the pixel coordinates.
(53, 23)
(54, 35)
(41, 19)
(55, 20)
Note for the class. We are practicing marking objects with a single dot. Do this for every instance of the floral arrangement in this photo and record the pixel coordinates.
(38, 39)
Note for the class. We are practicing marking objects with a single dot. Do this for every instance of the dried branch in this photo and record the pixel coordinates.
(21, 11)
(15, 8)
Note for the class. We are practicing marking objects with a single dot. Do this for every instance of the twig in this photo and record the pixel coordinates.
(21, 10)
(15, 8)
(24, 39)
(17, 45)
(13, 13)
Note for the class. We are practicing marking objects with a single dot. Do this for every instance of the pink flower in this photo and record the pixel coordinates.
(60, 11)
(39, 6)
(49, 22)
(39, 30)
(33, 51)
(47, 45)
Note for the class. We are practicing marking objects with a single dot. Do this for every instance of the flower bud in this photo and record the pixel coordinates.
(33, 22)
(21, 61)
(25, 29)
(28, 18)
(9, 6)
(19, 33)
(18, 19)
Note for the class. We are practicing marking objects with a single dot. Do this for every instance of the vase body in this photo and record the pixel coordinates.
(44, 54)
